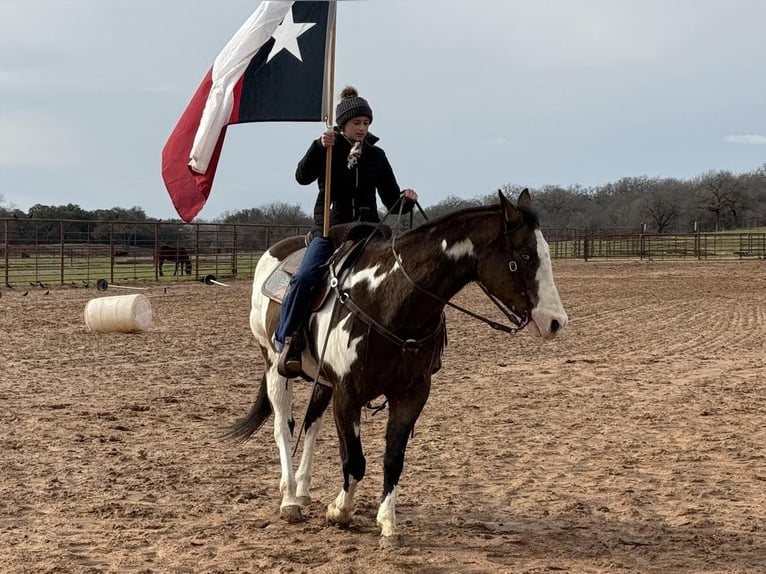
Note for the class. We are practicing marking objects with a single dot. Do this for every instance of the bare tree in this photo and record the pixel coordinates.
(661, 205)
(719, 194)
(449, 204)
(279, 213)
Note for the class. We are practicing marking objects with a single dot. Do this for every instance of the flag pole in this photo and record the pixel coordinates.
(330, 66)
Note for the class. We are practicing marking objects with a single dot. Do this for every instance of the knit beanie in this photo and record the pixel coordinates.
(351, 106)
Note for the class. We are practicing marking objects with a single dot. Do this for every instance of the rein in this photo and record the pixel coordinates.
(344, 298)
(520, 321)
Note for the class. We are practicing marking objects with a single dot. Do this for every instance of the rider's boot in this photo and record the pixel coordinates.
(289, 364)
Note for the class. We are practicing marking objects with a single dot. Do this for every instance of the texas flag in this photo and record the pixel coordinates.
(277, 67)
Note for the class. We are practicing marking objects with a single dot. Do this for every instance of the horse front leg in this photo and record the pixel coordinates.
(280, 391)
(320, 399)
(347, 422)
(403, 411)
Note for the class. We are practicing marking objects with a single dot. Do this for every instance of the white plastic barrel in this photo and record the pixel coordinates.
(121, 313)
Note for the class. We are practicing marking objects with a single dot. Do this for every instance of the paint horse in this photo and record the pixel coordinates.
(383, 333)
(177, 255)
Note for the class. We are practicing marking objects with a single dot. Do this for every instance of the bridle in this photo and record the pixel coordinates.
(343, 297)
(519, 320)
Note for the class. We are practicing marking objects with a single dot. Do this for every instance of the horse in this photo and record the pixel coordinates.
(383, 332)
(177, 255)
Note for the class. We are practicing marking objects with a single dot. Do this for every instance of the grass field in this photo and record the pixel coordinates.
(78, 264)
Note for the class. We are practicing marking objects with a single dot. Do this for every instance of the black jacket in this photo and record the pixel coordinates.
(352, 190)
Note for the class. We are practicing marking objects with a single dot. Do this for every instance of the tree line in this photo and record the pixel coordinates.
(712, 201)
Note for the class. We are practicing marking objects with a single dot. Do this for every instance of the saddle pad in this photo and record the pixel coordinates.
(275, 285)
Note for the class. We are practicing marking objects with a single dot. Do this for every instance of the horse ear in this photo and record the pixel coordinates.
(512, 216)
(525, 200)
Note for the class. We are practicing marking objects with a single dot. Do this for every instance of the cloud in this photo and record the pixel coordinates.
(749, 139)
(37, 139)
(497, 141)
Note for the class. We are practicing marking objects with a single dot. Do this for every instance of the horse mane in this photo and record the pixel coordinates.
(529, 216)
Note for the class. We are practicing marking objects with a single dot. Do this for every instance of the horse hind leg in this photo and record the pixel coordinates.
(320, 399)
(280, 392)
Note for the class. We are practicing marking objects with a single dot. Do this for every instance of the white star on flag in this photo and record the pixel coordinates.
(286, 37)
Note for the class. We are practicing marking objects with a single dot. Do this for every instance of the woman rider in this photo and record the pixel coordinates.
(359, 169)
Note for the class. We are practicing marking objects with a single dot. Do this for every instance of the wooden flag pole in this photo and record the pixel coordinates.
(328, 123)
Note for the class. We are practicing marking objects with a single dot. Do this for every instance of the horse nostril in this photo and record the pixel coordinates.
(555, 326)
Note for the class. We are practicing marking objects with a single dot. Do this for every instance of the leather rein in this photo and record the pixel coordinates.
(519, 320)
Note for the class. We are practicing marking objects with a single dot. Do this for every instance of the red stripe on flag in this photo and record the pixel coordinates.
(189, 190)
(237, 95)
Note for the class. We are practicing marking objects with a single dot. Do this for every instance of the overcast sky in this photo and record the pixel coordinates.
(468, 95)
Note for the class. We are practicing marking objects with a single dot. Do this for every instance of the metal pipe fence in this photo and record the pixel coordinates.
(71, 252)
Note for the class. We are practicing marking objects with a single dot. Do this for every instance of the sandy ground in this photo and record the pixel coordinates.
(634, 443)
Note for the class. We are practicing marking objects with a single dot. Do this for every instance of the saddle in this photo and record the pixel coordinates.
(348, 239)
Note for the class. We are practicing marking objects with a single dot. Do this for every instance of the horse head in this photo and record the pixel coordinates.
(516, 271)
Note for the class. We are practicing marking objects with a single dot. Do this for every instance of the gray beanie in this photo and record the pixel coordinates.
(351, 106)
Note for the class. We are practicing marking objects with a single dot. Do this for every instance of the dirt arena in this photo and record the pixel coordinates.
(636, 442)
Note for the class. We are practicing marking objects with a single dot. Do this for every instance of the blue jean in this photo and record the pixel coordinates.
(296, 305)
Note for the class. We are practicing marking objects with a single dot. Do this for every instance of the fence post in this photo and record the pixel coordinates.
(234, 252)
(157, 251)
(196, 251)
(586, 245)
(5, 243)
(61, 251)
(697, 246)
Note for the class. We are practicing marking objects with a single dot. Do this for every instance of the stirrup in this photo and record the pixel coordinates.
(289, 364)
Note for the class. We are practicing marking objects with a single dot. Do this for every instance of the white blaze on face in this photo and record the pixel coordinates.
(548, 315)
(459, 249)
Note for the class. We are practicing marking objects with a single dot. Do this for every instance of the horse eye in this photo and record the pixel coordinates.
(526, 257)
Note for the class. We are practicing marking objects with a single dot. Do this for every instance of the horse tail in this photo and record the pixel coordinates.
(259, 413)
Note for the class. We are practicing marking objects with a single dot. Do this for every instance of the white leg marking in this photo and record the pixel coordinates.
(549, 307)
(386, 518)
(303, 476)
(341, 509)
(280, 392)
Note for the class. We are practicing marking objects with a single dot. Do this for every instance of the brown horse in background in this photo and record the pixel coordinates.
(175, 254)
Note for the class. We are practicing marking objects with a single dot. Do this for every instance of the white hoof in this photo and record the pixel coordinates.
(291, 514)
(337, 515)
